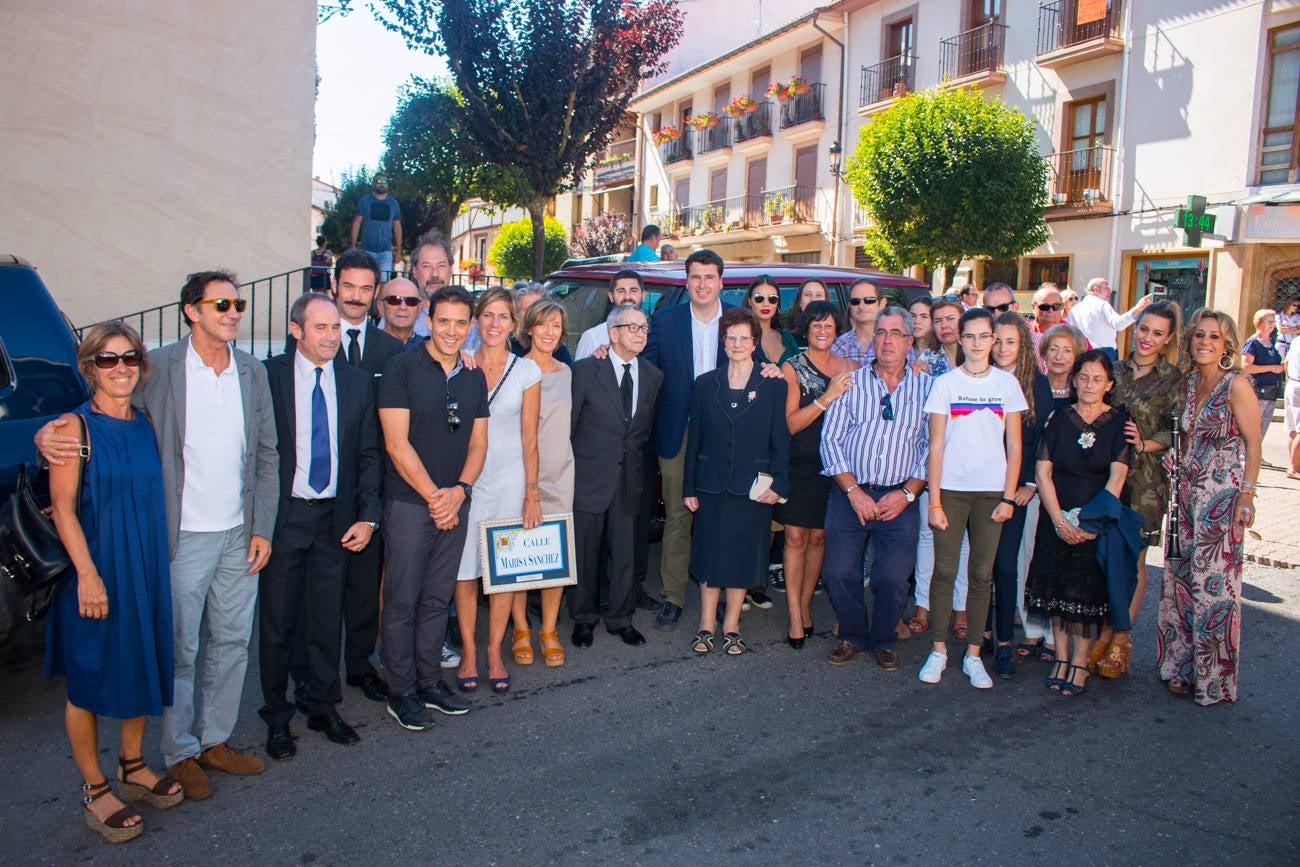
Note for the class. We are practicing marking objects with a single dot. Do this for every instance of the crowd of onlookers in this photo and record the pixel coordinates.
(1006, 474)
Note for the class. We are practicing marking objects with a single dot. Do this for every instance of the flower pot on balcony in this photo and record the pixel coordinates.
(900, 88)
(886, 93)
(775, 217)
(800, 87)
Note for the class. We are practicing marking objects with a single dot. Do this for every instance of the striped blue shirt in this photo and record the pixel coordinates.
(857, 439)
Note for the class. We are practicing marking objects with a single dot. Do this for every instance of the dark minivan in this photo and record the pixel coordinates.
(582, 288)
(38, 381)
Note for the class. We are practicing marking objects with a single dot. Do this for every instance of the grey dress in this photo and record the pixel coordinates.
(554, 448)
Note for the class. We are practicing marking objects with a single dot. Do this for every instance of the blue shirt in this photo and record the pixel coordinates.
(643, 253)
(377, 216)
(857, 439)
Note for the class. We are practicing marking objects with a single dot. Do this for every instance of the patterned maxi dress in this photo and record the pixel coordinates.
(1200, 610)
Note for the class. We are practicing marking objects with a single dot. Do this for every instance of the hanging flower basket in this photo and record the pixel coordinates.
(705, 121)
(799, 86)
(779, 91)
(740, 105)
(665, 134)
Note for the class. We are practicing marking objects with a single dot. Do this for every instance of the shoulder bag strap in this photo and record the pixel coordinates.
(502, 380)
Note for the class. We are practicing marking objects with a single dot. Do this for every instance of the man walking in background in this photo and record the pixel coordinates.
(378, 225)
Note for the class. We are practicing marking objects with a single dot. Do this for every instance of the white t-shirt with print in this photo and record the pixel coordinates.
(974, 449)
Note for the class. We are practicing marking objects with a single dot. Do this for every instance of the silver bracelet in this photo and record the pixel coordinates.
(817, 403)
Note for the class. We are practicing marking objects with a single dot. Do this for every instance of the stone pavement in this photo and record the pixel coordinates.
(1274, 540)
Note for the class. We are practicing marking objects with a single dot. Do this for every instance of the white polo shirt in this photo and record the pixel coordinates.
(212, 498)
(304, 382)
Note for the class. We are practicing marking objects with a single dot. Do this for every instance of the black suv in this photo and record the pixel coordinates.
(38, 381)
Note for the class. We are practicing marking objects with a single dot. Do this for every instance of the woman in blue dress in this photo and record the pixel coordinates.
(110, 627)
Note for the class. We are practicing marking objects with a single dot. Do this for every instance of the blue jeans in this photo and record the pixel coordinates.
(893, 549)
(1111, 352)
(385, 260)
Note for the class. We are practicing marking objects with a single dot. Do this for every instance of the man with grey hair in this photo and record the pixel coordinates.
(613, 416)
(1099, 321)
(874, 446)
(1049, 311)
(667, 253)
(430, 270)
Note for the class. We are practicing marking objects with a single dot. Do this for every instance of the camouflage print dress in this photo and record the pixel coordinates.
(1150, 400)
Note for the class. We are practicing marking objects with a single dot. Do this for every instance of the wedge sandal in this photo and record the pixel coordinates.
(114, 828)
(160, 797)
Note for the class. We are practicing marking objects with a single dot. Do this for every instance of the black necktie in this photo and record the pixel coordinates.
(626, 388)
(354, 348)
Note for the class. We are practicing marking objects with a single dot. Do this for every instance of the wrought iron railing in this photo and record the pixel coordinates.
(792, 204)
(714, 137)
(804, 107)
(1058, 25)
(675, 151)
(981, 49)
(888, 79)
(754, 124)
(1081, 177)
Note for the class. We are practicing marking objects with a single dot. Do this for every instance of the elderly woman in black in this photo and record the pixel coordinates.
(737, 461)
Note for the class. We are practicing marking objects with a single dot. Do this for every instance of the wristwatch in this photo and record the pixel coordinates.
(373, 525)
(467, 488)
(911, 497)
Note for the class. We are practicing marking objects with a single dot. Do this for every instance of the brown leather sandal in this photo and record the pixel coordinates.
(552, 649)
(113, 829)
(160, 797)
(522, 647)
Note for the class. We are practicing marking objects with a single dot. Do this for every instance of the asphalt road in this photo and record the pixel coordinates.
(650, 755)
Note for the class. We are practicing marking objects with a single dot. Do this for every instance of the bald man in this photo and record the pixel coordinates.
(399, 309)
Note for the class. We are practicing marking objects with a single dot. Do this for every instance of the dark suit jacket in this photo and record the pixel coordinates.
(726, 453)
(606, 449)
(357, 495)
(380, 347)
(669, 348)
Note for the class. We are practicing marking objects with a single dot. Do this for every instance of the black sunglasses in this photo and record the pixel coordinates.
(399, 300)
(109, 360)
(222, 305)
(1000, 308)
(453, 420)
(856, 301)
(1051, 306)
(887, 407)
(767, 299)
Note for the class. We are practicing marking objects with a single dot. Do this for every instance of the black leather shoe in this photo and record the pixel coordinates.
(629, 635)
(645, 601)
(279, 742)
(334, 728)
(443, 700)
(582, 633)
(372, 686)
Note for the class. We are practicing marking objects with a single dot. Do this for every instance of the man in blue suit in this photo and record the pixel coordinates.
(683, 344)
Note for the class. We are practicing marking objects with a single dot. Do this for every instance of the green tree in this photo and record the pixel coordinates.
(337, 225)
(948, 175)
(512, 254)
(543, 83)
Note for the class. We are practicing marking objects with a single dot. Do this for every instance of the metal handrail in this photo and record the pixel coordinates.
(754, 124)
(980, 49)
(804, 107)
(1057, 28)
(888, 79)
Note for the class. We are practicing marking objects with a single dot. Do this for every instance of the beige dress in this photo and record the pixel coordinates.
(554, 448)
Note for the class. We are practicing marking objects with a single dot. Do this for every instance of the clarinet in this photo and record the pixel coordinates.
(1173, 546)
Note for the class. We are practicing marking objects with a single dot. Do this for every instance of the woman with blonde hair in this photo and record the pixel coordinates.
(507, 487)
(109, 631)
(1060, 346)
(1198, 638)
(1263, 361)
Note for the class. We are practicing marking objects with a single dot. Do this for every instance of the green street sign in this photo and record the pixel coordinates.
(1194, 221)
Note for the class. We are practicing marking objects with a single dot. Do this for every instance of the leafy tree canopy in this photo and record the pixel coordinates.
(511, 253)
(337, 226)
(946, 175)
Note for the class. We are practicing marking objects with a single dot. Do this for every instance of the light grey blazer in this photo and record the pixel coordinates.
(163, 398)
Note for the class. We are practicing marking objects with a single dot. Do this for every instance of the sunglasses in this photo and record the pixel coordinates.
(1051, 306)
(854, 302)
(223, 305)
(399, 300)
(109, 360)
(453, 420)
(1000, 308)
(767, 299)
(887, 407)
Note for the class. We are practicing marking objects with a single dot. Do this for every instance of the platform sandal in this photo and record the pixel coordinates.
(522, 647)
(114, 828)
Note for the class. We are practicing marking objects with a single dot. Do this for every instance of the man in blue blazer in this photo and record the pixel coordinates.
(683, 344)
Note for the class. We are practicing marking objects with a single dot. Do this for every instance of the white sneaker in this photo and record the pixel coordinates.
(973, 667)
(935, 663)
(450, 658)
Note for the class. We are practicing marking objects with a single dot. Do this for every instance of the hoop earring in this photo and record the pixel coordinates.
(1225, 363)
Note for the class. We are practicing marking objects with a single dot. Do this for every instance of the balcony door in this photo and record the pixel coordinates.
(1083, 160)
(805, 181)
(978, 51)
(899, 48)
(810, 65)
(755, 183)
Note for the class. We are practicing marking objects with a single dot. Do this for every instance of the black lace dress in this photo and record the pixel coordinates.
(809, 489)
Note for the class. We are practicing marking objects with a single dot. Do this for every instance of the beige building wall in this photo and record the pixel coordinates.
(146, 140)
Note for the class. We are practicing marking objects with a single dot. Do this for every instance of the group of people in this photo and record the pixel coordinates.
(1013, 470)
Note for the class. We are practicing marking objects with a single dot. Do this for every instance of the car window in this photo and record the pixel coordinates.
(584, 303)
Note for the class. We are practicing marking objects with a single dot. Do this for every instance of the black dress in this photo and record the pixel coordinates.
(1067, 581)
(809, 489)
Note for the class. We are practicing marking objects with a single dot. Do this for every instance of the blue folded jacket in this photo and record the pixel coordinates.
(1119, 543)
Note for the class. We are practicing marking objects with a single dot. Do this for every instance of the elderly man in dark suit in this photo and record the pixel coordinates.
(613, 414)
(328, 432)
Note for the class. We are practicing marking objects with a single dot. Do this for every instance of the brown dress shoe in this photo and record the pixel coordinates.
(228, 760)
(843, 653)
(194, 783)
(888, 658)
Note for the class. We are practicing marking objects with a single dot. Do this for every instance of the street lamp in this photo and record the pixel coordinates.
(836, 166)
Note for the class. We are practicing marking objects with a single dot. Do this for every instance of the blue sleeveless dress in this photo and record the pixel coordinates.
(121, 666)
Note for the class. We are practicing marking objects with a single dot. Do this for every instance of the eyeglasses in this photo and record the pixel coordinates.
(109, 360)
(982, 337)
(1000, 308)
(887, 407)
(767, 299)
(1057, 306)
(634, 328)
(738, 339)
(854, 302)
(453, 420)
(222, 305)
(892, 332)
(399, 300)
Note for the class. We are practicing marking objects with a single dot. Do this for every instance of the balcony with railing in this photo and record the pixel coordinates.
(754, 125)
(1064, 39)
(977, 56)
(714, 139)
(805, 107)
(788, 206)
(614, 165)
(886, 81)
(1080, 178)
(675, 151)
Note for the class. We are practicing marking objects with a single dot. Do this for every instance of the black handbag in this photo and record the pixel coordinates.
(32, 557)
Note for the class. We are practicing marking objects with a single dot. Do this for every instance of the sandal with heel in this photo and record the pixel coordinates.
(1053, 682)
(160, 797)
(113, 828)
(1116, 661)
(1069, 687)
(522, 647)
(552, 649)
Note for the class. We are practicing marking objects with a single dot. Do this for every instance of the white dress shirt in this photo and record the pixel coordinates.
(347, 339)
(704, 341)
(212, 496)
(1098, 321)
(618, 374)
(596, 335)
(304, 381)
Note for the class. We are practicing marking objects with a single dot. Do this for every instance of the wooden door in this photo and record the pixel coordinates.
(805, 181)
(810, 65)
(755, 183)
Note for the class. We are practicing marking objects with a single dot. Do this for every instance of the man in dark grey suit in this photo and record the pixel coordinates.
(613, 416)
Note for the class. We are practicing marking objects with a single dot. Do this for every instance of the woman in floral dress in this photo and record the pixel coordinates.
(1198, 641)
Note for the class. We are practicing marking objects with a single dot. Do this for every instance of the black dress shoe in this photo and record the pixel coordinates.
(334, 728)
(582, 633)
(279, 743)
(372, 686)
(629, 635)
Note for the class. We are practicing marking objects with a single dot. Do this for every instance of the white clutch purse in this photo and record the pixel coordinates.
(762, 482)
